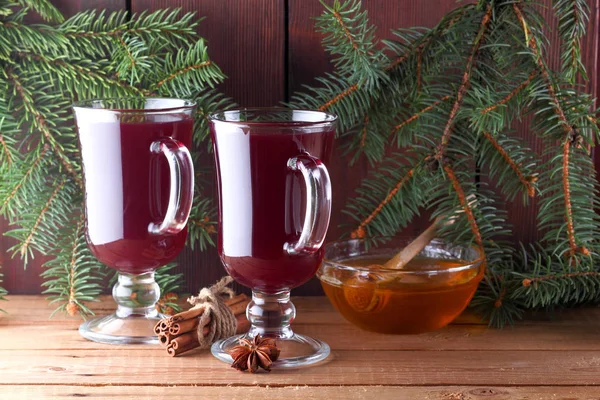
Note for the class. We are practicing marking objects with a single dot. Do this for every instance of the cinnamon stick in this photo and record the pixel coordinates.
(240, 308)
(189, 340)
(196, 312)
(179, 328)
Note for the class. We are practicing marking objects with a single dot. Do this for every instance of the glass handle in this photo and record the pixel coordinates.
(181, 170)
(318, 204)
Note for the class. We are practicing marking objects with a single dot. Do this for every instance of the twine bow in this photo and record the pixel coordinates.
(217, 316)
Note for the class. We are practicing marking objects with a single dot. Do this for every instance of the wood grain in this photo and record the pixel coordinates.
(302, 392)
(125, 366)
(542, 359)
(576, 330)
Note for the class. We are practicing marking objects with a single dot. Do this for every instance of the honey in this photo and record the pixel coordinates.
(427, 294)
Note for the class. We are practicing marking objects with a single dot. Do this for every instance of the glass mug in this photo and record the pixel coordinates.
(139, 181)
(274, 209)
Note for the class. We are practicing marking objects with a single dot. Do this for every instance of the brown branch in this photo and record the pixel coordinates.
(525, 180)
(183, 71)
(338, 97)
(129, 55)
(462, 90)
(40, 218)
(569, 131)
(419, 62)
(72, 306)
(8, 156)
(426, 41)
(511, 94)
(42, 126)
(418, 114)
(346, 30)
(359, 232)
(498, 302)
(121, 32)
(363, 136)
(460, 193)
(26, 175)
(530, 281)
(396, 62)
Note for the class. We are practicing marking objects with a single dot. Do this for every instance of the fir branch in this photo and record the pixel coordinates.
(485, 20)
(24, 247)
(567, 192)
(431, 36)
(40, 123)
(72, 306)
(189, 68)
(573, 17)
(526, 181)
(534, 281)
(462, 198)
(360, 232)
(338, 97)
(70, 75)
(420, 113)
(363, 134)
(24, 179)
(351, 40)
(74, 276)
(6, 157)
(567, 128)
(44, 8)
(161, 23)
(512, 94)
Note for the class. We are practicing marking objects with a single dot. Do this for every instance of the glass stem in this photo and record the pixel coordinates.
(136, 295)
(271, 314)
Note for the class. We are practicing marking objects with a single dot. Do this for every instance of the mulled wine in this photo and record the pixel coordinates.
(127, 187)
(139, 182)
(274, 209)
(262, 203)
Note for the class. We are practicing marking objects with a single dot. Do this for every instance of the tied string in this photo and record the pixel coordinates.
(217, 315)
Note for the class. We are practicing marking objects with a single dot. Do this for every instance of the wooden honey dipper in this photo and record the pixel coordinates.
(359, 290)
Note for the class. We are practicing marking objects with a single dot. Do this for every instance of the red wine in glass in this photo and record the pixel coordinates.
(252, 235)
(274, 209)
(139, 181)
(128, 190)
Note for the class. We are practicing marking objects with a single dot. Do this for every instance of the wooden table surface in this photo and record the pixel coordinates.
(542, 358)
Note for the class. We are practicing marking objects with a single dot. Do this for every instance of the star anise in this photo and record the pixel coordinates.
(254, 354)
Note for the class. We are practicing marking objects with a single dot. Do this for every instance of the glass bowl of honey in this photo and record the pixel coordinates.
(428, 293)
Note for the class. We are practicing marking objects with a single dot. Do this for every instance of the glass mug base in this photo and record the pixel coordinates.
(296, 351)
(271, 315)
(136, 315)
(113, 329)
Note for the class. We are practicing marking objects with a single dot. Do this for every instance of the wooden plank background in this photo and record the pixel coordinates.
(268, 49)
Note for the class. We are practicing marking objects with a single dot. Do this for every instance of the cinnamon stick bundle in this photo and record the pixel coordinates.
(179, 332)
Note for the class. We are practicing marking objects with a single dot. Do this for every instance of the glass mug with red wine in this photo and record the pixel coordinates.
(139, 182)
(274, 209)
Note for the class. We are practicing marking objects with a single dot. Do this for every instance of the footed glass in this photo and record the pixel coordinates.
(274, 209)
(139, 182)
